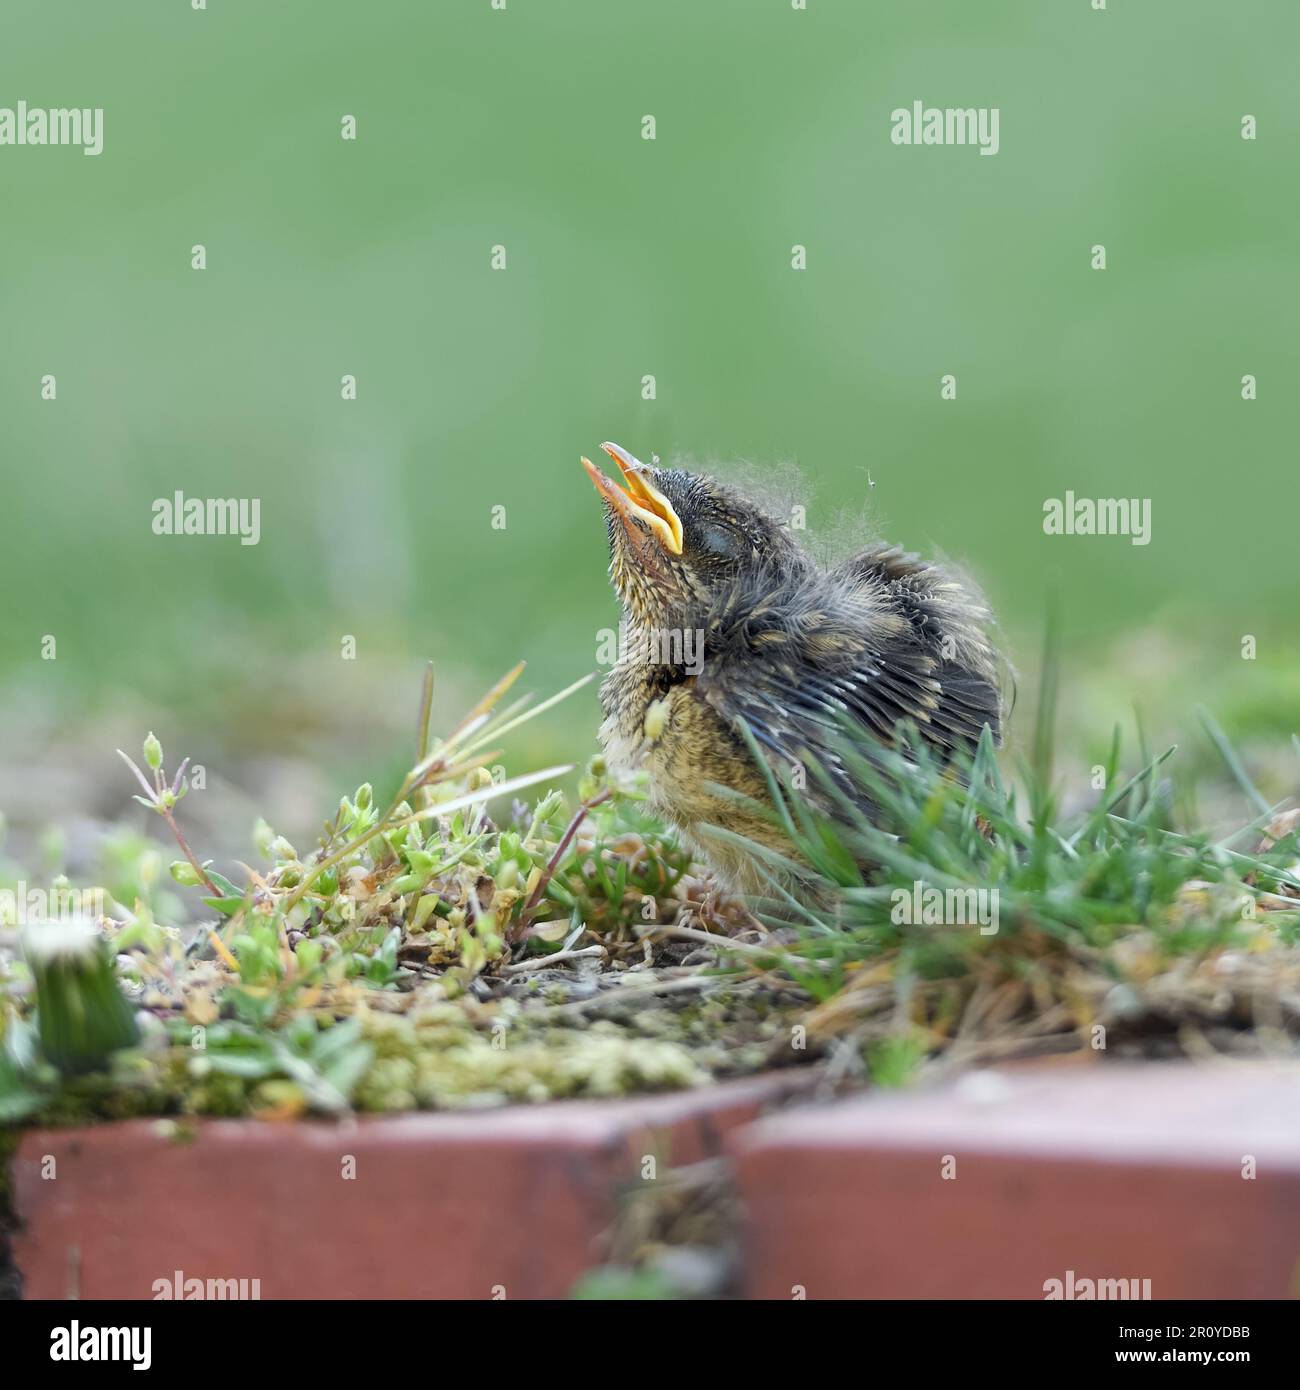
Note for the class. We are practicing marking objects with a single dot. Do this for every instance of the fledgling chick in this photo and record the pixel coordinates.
(727, 618)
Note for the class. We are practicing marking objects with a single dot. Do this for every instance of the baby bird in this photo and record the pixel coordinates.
(727, 619)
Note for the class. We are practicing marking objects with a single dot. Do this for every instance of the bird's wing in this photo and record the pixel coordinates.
(951, 624)
(798, 664)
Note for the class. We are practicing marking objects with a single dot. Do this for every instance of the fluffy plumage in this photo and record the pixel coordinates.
(742, 624)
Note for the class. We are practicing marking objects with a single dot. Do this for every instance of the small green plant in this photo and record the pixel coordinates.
(1111, 894)
(402, 906)
(410, 957)
(81, 1012)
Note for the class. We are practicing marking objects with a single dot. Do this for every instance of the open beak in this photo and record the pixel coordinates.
(641, 502)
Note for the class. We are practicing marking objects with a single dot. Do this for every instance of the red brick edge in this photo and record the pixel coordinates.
(1181, 1180)
(508, 1203)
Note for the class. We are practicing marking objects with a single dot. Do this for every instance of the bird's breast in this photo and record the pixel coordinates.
(683, 745)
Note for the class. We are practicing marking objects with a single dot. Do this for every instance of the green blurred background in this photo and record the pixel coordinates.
(625, 258)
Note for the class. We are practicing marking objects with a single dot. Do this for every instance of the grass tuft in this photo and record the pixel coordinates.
(454, 944)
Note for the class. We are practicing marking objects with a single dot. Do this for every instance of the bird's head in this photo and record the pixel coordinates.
(678, 542)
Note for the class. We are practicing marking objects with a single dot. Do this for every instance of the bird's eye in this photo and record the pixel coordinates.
(721, 541)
